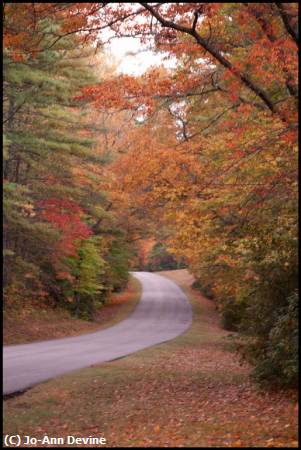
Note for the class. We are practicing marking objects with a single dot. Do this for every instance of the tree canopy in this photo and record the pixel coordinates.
(204, 154)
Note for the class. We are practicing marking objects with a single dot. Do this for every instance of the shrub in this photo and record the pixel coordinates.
(84, 288)
(276, 357)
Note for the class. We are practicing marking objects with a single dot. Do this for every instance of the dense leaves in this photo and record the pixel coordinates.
(214, 161)
(206, 151)
(54, 206)
(160, 259)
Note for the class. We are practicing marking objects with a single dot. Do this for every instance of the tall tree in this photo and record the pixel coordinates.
(53, 171)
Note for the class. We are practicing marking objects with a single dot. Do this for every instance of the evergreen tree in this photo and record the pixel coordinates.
(53, 203)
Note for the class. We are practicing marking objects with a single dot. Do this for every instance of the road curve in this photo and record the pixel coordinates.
(162, 314)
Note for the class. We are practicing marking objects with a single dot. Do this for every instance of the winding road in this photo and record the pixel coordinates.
(162, 314)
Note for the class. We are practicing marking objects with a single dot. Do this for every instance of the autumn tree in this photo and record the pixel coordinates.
(56, 220)
(212, 157)
(223, 178)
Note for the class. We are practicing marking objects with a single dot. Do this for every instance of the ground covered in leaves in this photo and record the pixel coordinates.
(29, 322)
(189, 392)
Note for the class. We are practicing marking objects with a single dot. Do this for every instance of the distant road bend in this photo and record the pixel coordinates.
(162, 314)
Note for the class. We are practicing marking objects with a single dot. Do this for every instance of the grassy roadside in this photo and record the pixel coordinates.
(37, 324)
(189, 392)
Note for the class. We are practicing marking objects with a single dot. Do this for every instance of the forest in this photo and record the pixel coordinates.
(192, 165)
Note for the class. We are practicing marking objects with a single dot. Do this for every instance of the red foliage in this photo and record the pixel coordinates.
(65, 216)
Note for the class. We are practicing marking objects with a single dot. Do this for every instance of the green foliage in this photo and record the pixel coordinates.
(232, 311)
(282, 353)
(274, 348)
(58, 237)
(264, 308)
(84, 289)
(161, 259)
(118, 262)
(89, 268)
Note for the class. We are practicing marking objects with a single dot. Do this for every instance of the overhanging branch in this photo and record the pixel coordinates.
(244, 78)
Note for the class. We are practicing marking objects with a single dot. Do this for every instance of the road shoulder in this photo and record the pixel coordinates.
(38, 324)
(191, 391)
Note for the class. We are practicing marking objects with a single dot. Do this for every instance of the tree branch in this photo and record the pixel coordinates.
(286, 20)
(217, 55)
(196, 16)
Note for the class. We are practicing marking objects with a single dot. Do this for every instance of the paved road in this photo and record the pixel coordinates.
(162, 314)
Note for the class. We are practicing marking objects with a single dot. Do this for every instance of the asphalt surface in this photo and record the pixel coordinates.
(162, 314)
